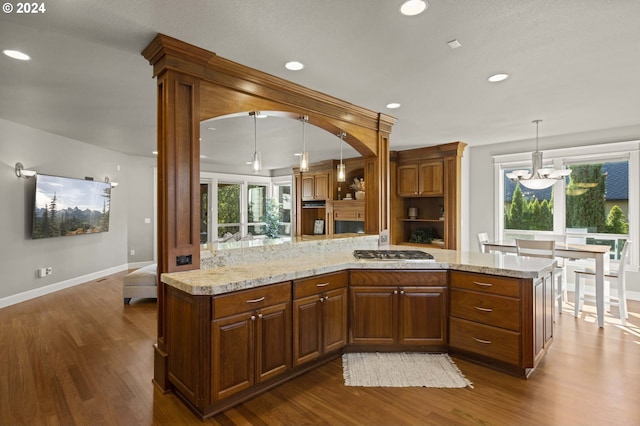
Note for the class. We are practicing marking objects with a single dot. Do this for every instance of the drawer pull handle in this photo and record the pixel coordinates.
(483, 284)
(483, 309)
(260, 299)
(485, 342)
(322, 285)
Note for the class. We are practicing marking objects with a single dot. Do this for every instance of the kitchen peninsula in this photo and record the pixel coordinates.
(254, 317)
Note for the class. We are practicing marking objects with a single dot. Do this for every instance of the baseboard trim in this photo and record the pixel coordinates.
(52, 288)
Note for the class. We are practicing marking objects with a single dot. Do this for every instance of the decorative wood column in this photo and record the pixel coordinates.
(194, 85)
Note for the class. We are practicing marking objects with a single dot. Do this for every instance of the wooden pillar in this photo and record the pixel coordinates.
(178, 192)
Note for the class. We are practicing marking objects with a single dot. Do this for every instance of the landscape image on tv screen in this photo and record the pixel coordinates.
(67, 206)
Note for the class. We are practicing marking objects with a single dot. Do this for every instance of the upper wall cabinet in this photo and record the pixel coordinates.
(421, 179)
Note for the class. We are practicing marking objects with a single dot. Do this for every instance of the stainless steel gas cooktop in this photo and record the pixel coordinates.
(392, 255)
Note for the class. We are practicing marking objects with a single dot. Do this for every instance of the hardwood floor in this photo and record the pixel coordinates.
(80, 357)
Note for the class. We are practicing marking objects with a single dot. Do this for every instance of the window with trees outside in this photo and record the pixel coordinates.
(235, 207)
(593, 205)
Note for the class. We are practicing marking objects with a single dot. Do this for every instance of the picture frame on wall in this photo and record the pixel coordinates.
(318, 227)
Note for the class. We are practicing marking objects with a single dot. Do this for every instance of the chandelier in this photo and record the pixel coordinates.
(540, 177)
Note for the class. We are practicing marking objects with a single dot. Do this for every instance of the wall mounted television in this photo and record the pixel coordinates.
(66, 206)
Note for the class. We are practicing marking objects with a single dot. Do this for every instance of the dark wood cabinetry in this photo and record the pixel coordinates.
(319, 316)
(316, 186)
(421, 179)
(428, 180)
(403, 308)
(250, 338)
(503, 320)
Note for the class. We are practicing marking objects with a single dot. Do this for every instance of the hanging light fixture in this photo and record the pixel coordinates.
(540, 177)
(304, 157)
(341, 169)
(256, 158)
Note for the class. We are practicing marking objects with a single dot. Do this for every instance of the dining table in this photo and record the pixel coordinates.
(599, 253)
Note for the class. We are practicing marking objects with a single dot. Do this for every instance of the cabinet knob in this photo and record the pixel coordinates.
(401, 291)
(395, 291)
(253, 317)
(483, 341)
(259, 315)
(322, 299)
(481, 309)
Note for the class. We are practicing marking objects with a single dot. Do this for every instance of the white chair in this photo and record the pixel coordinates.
(618, 277)
(546, 249)
(483, 237)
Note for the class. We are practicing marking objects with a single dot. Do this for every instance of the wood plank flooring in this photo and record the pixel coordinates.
(81, 357)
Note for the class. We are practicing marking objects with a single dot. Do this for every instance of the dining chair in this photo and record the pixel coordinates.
(618, 277)
(545, 249)
(483, 237)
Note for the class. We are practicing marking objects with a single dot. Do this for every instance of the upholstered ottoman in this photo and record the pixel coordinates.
(140, 283)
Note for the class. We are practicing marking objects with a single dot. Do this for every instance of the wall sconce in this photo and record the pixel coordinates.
(23, 173)
(107, 180)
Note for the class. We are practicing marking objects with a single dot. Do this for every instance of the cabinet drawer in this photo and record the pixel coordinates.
(488, 309)
(399, 278)
(486, 283)
(316, 285)
(493, 342)
(248, 300)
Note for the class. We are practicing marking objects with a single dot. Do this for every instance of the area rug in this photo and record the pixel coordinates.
(374, 369)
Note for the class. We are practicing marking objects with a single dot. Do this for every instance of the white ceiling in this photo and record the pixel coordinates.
(575, 64)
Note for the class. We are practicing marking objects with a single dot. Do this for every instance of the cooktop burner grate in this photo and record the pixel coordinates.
(392, 255)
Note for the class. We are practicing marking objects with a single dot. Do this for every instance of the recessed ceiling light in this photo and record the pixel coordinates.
(393, 105)
(294, 65)
(154, 152)
(413, 7)
(454, 44)
(498, 77)
(16, 54)
(211, 128)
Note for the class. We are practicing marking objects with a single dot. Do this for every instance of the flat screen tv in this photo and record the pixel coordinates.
(67, 206)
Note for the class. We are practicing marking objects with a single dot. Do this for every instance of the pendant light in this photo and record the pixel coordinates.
(304, 158)
(341, 169)
(256, 158)
(539, 178)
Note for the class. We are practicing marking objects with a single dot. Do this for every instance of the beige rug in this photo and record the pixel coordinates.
(402, 370)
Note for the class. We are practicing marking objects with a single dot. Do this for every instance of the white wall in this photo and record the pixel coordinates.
(77, 257)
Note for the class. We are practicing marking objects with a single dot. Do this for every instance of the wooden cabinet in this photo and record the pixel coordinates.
(421, 179)
(250, 338)
(316, 186)
(428, 180)
(503, 320)
(319, 316)
(348, 210)
(404, 308)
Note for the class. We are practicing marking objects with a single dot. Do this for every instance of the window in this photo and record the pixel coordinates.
(228, 208)
(596, 204)
(282, 195)
(234, 206)
(256, 207)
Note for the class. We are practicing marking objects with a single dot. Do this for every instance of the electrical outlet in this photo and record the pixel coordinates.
(132, 252)
(42, 272)
(49, 270)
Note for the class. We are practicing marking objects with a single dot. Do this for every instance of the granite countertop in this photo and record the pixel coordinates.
(233, 277)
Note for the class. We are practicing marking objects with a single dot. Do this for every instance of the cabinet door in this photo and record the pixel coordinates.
(307, 337)
(431, 176)
(321, 186)
(308, 187)
(273, 341)
(373, 315)
(407, 180)
(423, 318)
(334, 320)
(233, 352)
